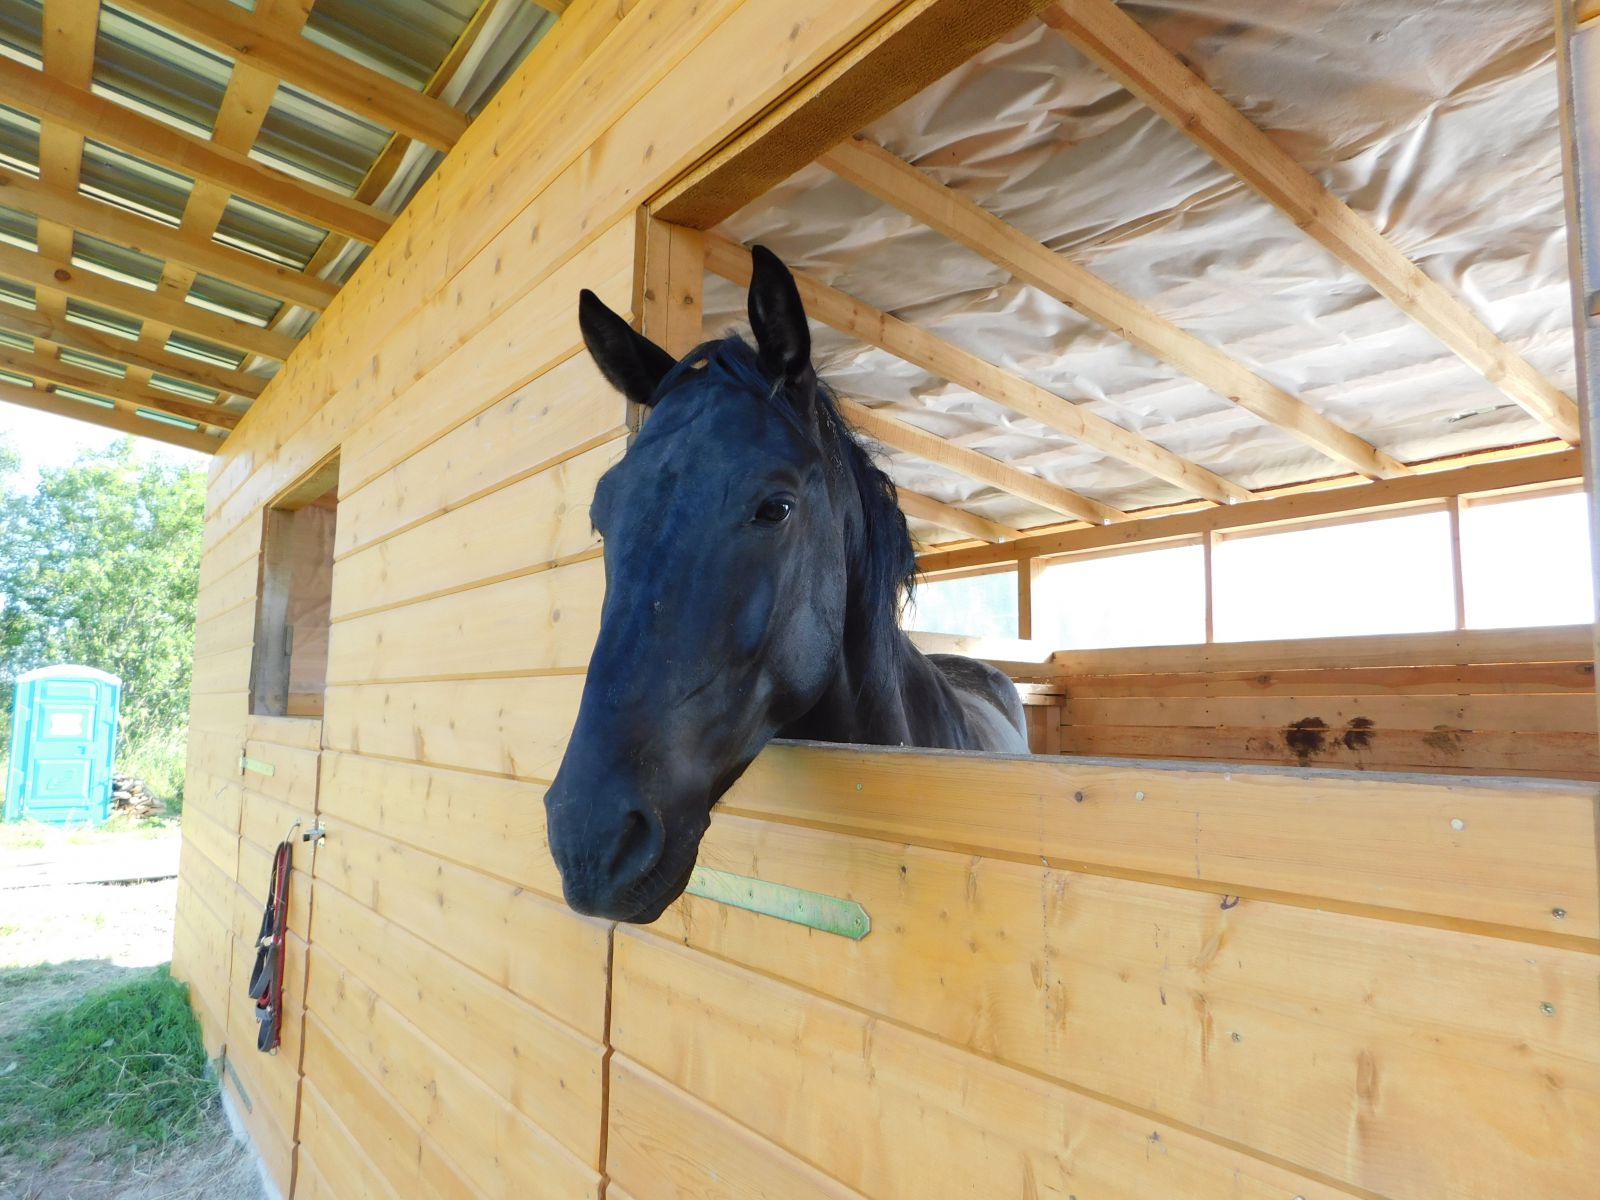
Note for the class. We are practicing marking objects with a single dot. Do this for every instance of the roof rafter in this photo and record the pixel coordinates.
(957, 520)
(61, 332)
(898, 183)
(108, 418)
(86, 285)
(1121, 47)
(112, 224)
(56, 373)
(285, 55)
(902, 435)
(54, 101)
(1406, 491)
(948, 361)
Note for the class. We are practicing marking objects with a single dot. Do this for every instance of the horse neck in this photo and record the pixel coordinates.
(877, 671)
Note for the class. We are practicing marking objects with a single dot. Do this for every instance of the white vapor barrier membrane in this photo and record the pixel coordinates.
(1436, 122)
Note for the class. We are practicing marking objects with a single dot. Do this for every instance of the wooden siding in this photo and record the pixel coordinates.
(1504, 702)
(1084, 979)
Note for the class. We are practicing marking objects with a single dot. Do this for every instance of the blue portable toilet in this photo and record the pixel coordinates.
(63, 737)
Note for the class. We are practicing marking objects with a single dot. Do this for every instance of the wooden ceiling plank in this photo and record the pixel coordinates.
(57, 373)
(69, 29)
(1118, 45)
(302, 63)
(58, 330)
(393, 155)
(942, 358)
(112, 224)
(81, 111)
(108, 418)
(946, 516)
(244, 106)
(949, 212)
(891, 431)
(85, 285)
(1407, 491)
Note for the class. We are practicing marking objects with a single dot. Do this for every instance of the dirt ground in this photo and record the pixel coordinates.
(57, 942)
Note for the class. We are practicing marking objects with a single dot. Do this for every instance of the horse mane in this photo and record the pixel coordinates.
(883, 563)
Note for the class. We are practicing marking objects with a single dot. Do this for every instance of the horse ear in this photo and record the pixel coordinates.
(778, 318)
(631, 362)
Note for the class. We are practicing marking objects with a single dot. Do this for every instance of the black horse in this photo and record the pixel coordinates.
(756, 564)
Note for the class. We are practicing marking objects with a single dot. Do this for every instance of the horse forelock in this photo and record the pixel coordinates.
(883, 564)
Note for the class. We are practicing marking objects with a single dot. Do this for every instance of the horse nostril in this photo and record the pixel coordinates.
(639, 847)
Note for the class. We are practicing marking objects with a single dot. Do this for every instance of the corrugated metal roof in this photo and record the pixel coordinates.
(164, 75)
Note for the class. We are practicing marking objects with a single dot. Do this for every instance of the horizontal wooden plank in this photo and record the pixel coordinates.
(546, 621)
(1365, 718)
(293, 778)
(904, 1114)
(484, 822)
(1478, 679)
(98, 219)
(222, 671)
(541, 519)
(1573, 756)
(295, 733)
(219, 712)
(1033, 660)
(531, 945)
(1361, 496)
(516, 727)
(664, 1144)
(533, 429)
(408, 1157)
(527, 338)
(82, 111)
(1524, 850)
(538, 1065)
(332, 1165)
(227, 630)
(1401, 1060)
(499, 1150)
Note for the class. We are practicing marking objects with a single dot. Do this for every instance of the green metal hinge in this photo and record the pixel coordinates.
(830, 914)
(259, 766)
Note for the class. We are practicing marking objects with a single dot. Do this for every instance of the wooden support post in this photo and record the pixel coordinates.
(1457, 508)
(672, 291)
(1025, 577)
(1578, 72)
(1209, 551)
(674, 286)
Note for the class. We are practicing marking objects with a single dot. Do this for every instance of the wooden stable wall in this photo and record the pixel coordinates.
(1121, 980)
(1083, 979)
(1503, 702)
(445, 1029)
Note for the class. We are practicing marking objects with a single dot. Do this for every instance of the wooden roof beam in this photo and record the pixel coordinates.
(891, 431)
(1118, 45)
(1397, 494)
(78, 109)
(933, 354)
(898, 183)
(108, 418)
(109, 223)
(86, 285)
(72, 336)
(54, 372)
(946, 516)
(243, 37)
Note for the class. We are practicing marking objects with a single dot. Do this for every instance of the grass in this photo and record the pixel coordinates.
(126, 1059)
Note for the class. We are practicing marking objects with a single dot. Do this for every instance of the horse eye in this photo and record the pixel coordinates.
(774, 511)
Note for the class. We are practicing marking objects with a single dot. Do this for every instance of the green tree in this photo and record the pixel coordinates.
(100, 565)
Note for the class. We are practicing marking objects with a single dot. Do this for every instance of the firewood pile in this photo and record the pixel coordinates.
(133, 796)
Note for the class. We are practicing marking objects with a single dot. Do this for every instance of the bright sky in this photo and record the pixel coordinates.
(44, 440)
